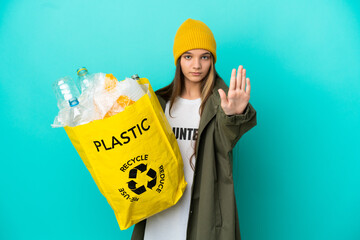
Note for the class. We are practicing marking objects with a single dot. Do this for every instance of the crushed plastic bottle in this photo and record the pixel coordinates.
(130, 91)
(102, 96)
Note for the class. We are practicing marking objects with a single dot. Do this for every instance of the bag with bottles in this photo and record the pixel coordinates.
(123, 137)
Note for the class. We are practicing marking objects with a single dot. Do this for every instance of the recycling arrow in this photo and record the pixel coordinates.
(151, 173)
(133, 174)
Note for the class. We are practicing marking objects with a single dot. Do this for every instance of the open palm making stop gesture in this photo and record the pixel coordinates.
(237, 98)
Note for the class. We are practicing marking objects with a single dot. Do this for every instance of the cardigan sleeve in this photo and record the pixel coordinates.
(232, 127)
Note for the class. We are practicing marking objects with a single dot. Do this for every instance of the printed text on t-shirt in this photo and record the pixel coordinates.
(185, 133)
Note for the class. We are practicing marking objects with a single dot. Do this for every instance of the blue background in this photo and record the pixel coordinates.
(297, 172)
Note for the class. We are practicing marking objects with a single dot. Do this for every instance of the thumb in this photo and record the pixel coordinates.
(222, 96)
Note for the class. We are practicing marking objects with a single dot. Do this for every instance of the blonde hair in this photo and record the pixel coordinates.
(175, 88)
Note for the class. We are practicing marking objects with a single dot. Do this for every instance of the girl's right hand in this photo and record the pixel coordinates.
(237, 98)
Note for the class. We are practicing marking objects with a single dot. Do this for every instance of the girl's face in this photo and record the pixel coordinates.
(195, 64)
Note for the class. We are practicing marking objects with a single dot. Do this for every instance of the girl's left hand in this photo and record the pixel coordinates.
(238, 98)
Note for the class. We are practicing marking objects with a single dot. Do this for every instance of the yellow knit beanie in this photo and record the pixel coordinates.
(193, 34)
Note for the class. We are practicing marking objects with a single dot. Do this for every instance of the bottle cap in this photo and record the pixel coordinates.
(135, 77)
(82, 71)
(73, 102)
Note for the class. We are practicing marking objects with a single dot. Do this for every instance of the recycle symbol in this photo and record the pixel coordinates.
(133, 173)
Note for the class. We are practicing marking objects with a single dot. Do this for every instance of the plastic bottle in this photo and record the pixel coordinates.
(77, 113)
(71, 112)
(65, 89)
(84, 79)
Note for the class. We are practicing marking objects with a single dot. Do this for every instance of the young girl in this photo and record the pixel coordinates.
(208, 118)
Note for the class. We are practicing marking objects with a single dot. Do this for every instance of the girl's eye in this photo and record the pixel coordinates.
(188, 57)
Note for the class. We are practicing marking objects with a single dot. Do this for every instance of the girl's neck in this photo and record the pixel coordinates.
(191, 91)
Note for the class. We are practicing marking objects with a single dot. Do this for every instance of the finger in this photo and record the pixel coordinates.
(248, 86)
(232, 80)
(243, 79)
(223, 97)
(238, 78)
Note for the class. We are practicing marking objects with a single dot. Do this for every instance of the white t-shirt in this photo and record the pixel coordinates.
(171, 223)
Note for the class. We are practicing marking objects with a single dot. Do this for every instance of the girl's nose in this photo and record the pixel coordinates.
(197, 63)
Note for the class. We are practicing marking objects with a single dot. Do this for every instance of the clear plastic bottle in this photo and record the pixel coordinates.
(65, 89)
(71, 113)
(84, 79)
(77, 113)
